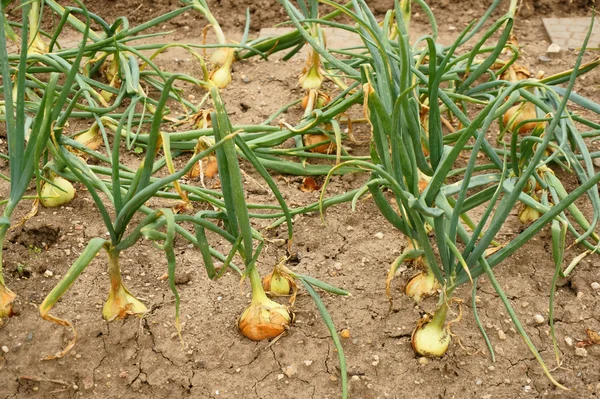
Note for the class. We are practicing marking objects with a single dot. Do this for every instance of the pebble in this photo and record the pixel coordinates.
(543, 58)
(245, 79)
(581, 352)
(501, 335)
(48, 273)
(595, 285)
(553, 49)
(375, 360)
(538, 319)
(569, 341)
(478, 381)
(345, 333)
(355, 378)
(290, 370)
(308, 362)
(280, 376)
(379, 235)
(337, 266)
(4, 348)
(524, 304)
(423, 360)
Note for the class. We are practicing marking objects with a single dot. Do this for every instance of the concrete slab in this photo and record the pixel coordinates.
(571, 32)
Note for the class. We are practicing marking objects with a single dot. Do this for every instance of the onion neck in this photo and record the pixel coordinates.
(439, 317)
(114, 270)
(258, 293)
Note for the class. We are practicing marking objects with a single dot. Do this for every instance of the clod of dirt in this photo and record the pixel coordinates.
(37, 237)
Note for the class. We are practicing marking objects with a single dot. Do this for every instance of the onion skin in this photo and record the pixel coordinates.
(91, 139)
(121, 303)
(52, 197)
(277, 283)
(528, 215)
(525, 112)
(430, 340)
(264, 319)
(420, 286)
(327, 148)
(7, 298)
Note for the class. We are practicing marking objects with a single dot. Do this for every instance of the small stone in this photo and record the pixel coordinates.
(355, 378)
(280, 376)
(538, 319)
(553, 49)
(379, 235)
(569, 341)
(595, 285)
(581, 352)
(543, 58)
(245, 79)
(345, 333)
(332, 378)
(123, 374)
(337, 266)
(524, 304)
(375, 360)
(290, 370)
(4, 348)
(423, 360)
(478, 381)
(501, 335)
(48, 273)
(350, 228)
(308, 362)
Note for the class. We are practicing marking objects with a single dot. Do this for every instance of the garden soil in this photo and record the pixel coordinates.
(353, 249)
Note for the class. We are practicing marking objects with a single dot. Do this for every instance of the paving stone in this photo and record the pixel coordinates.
(571, 32)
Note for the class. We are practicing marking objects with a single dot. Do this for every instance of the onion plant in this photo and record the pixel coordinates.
(414, 156)
(28, 133)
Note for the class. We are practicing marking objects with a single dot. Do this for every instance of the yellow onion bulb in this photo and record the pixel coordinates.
(277, 283)
(7, 298)
(219, 56)
(528, 214)
(519, 113)
(421, 286)
(92, 138)
(221, 76)
(430, 339)
(312, 78)
(121, 303)
(327, 147)
(52, 197)
(264, 319)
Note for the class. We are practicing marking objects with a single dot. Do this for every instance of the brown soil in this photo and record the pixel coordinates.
(144, 358)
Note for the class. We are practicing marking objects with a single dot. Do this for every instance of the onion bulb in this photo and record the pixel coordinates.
(421, 286)
(221, 76)
(528, 214)
(327, 147)
(430, 337)
(121, 303)
(58, 193)
(91, 138)
(312, 74)
(278, 282)
(7, 298)
(519, 113)
(264, 318)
